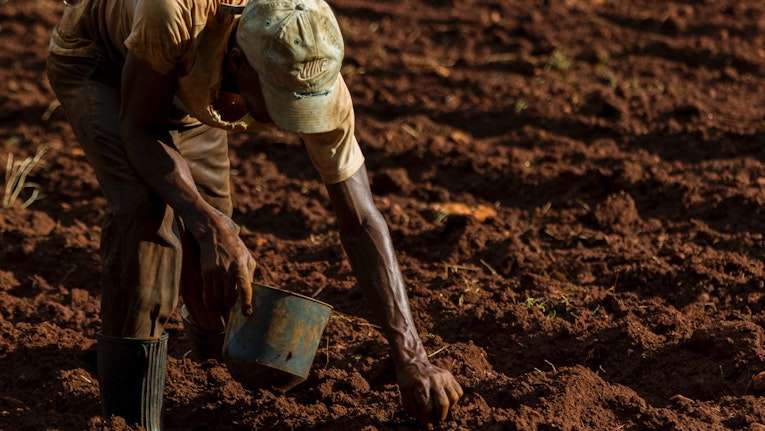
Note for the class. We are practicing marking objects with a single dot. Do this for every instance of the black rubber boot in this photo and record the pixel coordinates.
(131, 379)
(204, 344)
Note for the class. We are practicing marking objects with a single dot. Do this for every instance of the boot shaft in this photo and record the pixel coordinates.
(131, 378)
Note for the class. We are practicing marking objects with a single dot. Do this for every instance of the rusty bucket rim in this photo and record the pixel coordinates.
(289, 292)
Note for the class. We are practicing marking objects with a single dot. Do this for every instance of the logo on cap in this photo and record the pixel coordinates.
(312, 69)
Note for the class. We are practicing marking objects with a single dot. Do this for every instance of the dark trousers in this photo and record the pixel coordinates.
(146, 259)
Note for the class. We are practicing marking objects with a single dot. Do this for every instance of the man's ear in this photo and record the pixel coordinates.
(237, 61)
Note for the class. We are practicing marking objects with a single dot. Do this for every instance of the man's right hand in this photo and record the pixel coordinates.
(227, 269)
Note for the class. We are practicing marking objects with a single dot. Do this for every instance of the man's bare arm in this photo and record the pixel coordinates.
(146, 104)
(428, 392)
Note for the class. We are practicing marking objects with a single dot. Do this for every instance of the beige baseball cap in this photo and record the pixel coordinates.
(297, 49)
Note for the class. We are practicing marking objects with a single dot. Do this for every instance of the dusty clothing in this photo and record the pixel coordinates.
(147, 259)
(189, 39)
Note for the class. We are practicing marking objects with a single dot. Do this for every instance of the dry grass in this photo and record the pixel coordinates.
(16, 173)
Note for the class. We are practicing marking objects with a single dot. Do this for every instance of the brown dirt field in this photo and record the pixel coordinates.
(614, 280)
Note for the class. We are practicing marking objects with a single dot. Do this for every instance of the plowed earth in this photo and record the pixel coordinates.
(575, 190)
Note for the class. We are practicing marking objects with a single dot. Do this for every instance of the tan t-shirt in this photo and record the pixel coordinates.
(188, 39)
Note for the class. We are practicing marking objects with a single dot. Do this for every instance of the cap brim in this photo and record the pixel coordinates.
(317, 113)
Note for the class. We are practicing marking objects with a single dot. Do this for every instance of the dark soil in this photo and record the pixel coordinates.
(603, 271)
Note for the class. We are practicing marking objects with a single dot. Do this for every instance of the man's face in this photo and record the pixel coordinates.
(249, 88)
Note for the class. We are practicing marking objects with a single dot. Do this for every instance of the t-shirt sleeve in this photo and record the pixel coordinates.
(336, 155)
(161, 34)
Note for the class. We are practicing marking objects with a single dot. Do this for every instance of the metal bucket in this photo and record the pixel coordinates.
(275, 346)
